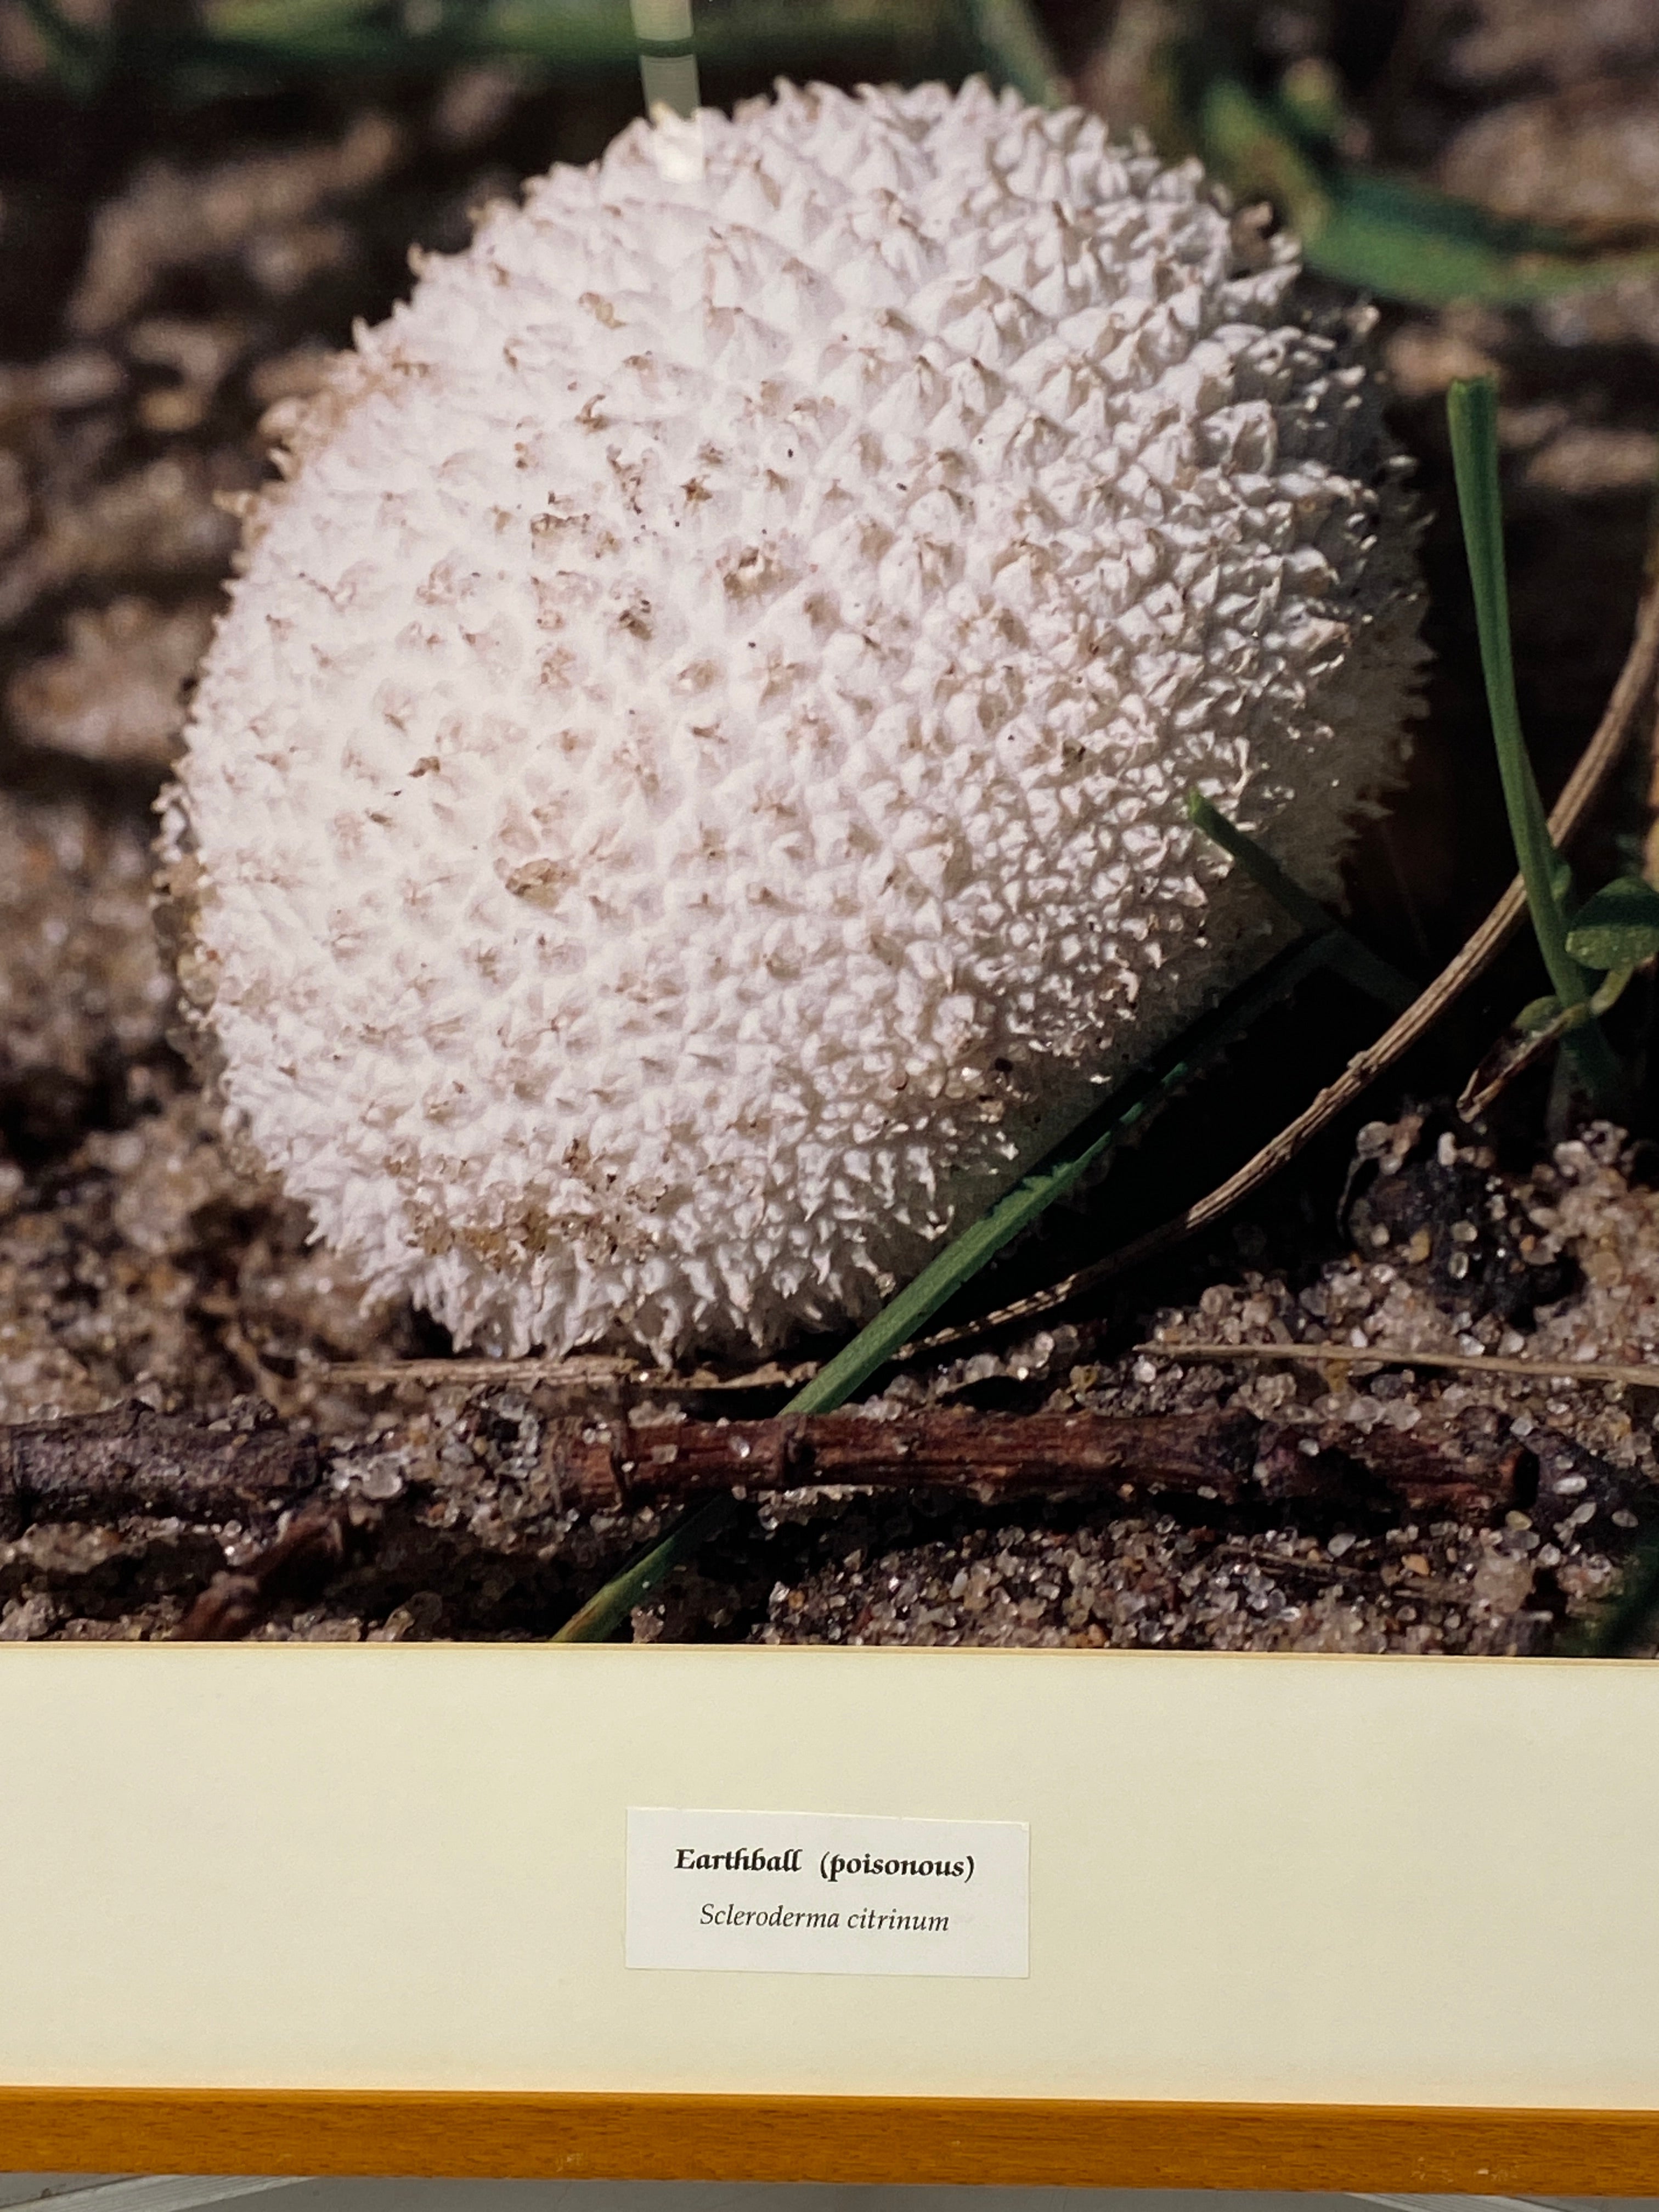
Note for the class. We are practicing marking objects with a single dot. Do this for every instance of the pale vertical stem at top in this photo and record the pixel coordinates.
(668, 74)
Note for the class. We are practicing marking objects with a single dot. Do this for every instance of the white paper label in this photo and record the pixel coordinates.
(826, 1894)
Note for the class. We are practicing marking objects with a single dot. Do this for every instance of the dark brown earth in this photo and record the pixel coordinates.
(170, 277)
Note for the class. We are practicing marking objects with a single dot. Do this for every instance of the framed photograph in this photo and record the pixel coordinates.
(828, 947)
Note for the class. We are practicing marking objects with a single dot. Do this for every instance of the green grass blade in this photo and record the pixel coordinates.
(1366, 970)
(1408, 242)
(1472, 412)
(1015, 50)
(608, 1609)
(1242, 143)
(1103, 1130)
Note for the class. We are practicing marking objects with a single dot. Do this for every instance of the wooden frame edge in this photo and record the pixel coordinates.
(1030, 2140)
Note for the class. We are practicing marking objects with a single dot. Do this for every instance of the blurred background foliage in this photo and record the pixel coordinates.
(1198, 75)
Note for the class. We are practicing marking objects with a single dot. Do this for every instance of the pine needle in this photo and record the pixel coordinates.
(1527, 1369)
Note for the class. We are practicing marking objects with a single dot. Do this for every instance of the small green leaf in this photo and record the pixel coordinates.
(1618, 927)
(1538, 1015)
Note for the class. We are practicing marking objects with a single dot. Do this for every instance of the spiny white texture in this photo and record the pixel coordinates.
(692, 777)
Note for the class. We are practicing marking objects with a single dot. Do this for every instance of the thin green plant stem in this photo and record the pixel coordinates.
(1365, 969)
(1471, 414)
(609, 1608)
(1098, 1134)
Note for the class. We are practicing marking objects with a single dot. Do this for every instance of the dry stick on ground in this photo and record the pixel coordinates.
(92, 1467)
(111, 1466)
(81, 1467)
(1225, 1456)
(71, 1469)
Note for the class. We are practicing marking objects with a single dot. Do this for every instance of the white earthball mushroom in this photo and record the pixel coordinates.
(690, 784)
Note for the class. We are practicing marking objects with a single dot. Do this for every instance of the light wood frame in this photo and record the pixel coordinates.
(1022, 2140)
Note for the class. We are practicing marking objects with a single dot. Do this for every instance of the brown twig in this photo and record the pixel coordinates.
(606, 1465)
(136, 1465)
(134, 1460)
(1226, 1458)
(1229, 1457)
(1385, 1355)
